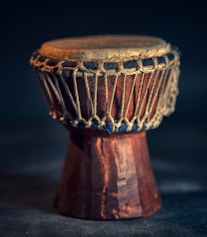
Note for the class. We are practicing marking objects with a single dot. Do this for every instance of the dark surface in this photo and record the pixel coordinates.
(32, 146)
(30, 169)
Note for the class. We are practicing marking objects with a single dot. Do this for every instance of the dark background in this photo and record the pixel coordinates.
(33, 146)
(26, 25)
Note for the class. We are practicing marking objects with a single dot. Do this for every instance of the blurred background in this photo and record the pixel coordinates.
(26, 25)
(32, 144)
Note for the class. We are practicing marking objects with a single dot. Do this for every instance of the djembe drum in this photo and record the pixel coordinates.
(108, 91)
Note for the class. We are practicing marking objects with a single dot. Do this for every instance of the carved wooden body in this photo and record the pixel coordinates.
(107, 177)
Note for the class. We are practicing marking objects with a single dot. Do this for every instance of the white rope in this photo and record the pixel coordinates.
(106, 95)
(136, 117)
(130, 95)
(122, 100)
(61, 100)
(88, 94)
(47, 94)
(95, 96)
(112, 96)
(79, 117)
(147, 109)
(69, 94)
(144, 100)
(162, 104)
(56, 94)
(173, 90)
(153, 93)
(156, 97)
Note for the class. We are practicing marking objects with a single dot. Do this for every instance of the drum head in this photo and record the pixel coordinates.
(105, 47)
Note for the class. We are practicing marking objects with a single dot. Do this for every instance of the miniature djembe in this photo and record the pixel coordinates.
(108, 91)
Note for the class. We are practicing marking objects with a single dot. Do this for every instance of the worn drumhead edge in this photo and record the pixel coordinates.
(104, 47)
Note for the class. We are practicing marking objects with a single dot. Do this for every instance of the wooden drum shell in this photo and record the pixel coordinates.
(107, 91)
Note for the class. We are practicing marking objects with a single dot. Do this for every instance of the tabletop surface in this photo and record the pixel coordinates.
(30, 166)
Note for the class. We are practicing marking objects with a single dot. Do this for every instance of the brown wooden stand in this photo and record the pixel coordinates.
(107, 177)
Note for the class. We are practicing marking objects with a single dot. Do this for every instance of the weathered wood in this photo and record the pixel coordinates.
(107, 177)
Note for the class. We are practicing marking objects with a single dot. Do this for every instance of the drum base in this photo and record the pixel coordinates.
(107, 177)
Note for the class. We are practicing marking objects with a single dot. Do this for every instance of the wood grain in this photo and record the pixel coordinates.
(107, 177)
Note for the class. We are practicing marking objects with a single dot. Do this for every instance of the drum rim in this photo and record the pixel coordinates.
(128, 66)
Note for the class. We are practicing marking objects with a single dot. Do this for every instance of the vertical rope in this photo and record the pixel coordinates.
(123, 99)
(173, 90)
(61, 100)
(53, 87)
(130, 95)
(162, 87)
(49, 81)
(77, 95)
(106, 95)
(143, 100)
(157, 113)
(164, 109)
(147, 114)
(69, 94)
(95, 96)
(138, 98)
(153, 92)
(48, 96)
(112, 96)
(88, 92)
